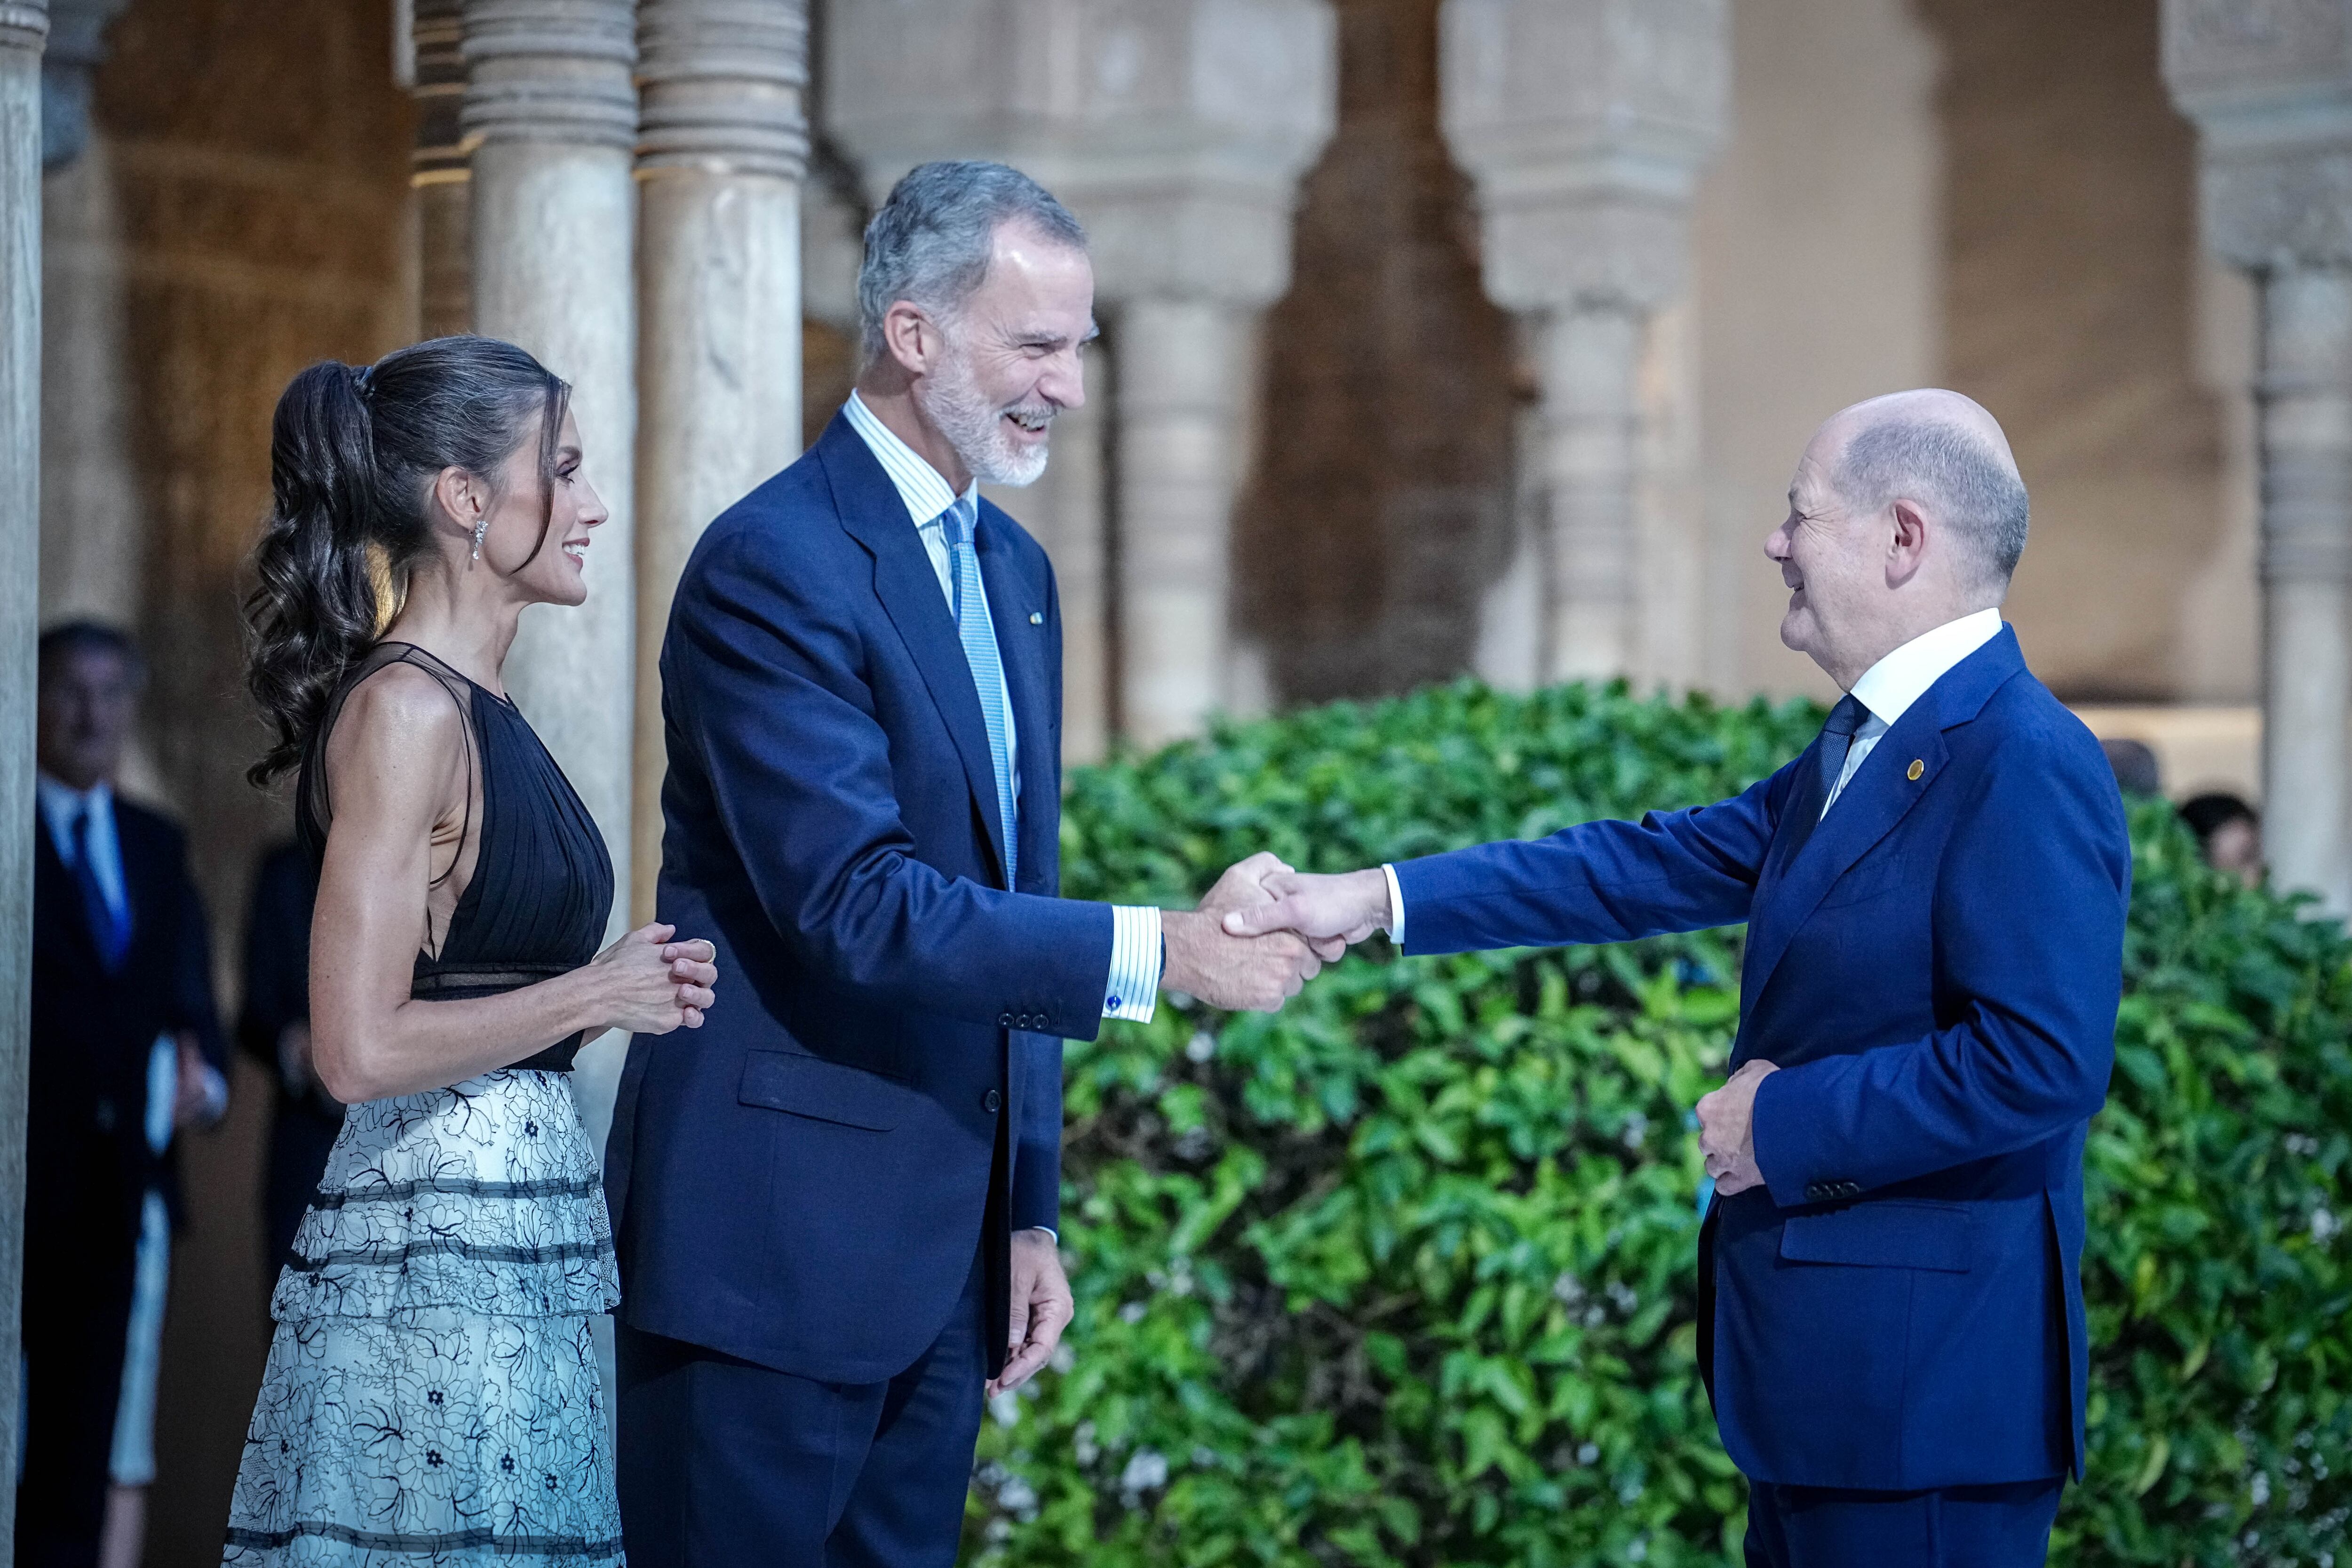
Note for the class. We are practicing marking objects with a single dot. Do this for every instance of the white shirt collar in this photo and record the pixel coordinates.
(924, 490)
(1890, 687)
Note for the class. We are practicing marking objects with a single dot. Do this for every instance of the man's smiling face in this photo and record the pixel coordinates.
(1826, 558)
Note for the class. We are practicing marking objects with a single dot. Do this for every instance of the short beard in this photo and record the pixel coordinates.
(951, 399)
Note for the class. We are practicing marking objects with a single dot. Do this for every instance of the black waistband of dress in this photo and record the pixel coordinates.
(467, 982)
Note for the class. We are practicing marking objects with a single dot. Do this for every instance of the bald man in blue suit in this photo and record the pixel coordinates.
(1891, 1319)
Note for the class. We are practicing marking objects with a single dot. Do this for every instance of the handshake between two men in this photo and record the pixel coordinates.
(1265, 929)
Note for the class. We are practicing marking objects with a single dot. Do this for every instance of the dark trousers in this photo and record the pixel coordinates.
(76, 1319)
(1956, 1527)
(724, 1463)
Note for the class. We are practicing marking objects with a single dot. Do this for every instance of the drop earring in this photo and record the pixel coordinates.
(481, 527)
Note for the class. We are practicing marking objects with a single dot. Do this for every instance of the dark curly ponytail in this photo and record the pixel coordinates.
(352, 456)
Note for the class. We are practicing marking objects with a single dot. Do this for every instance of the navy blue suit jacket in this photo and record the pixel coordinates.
(806, 1180)
(1935, 969)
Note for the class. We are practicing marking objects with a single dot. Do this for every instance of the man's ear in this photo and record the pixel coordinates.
(1907, 544)
(910, 338)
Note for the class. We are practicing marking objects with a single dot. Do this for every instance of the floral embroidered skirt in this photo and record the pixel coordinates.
(432, 1395)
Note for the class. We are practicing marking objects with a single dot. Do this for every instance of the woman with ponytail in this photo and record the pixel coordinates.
(432, 1390)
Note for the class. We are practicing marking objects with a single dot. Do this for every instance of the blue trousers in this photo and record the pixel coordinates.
(1956, 1527)
(723, 1463)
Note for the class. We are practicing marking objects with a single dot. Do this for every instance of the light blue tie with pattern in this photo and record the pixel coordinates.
(979, 637)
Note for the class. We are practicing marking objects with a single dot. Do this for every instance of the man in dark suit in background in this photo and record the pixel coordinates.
(1891, 1318)
(835, 1206)
(126, 1046)
(273, 1028)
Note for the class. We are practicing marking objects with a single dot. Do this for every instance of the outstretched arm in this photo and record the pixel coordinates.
(1595, 882)
(764, 684)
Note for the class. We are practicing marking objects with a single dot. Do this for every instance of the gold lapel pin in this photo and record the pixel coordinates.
(1917, 767)
(1036, 617)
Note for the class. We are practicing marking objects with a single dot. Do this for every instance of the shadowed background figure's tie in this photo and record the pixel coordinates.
(979, 636)
(109, 930)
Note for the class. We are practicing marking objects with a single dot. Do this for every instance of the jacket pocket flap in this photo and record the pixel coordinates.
(1889, 1235)
(827, 1091)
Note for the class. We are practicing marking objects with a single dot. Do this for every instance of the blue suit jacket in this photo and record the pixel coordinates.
(805, 1181)
(1935, 969)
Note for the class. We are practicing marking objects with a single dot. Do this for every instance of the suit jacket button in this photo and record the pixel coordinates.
(992, 1101)
(1005, 1019)
(1815, 1192)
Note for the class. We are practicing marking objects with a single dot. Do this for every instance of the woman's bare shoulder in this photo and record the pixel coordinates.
(400, 720)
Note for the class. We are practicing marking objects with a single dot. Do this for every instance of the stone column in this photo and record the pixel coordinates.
(1585, 124)
(2269, 85)
(722, 145)
(439, 170)
(1177, 133)
(1180, 432)
(554, 113)
(24, 26)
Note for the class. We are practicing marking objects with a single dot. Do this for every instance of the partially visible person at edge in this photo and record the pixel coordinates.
(836, 1213)
(2229, 833)
(273, 1028)
(125, 1049)
(1890, 1298)
(433, 1383)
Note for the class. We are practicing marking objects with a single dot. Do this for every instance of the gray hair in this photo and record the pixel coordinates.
(1938, 462)
(931, 242)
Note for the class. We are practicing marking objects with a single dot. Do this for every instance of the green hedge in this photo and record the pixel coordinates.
(1404, 1275)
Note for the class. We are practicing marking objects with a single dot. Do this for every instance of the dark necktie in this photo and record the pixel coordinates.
(1846, 721)
(110, 930)
(1837, 739)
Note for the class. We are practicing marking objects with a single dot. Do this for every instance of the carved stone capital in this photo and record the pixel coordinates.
(722, 84)
(24, 24)
(2268, 83)
(550, 70)
(1175, 129)
(437, 33)
(76, 42)
(1585, 124)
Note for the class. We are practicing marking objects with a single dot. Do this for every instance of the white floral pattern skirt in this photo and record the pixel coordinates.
(432, 1395)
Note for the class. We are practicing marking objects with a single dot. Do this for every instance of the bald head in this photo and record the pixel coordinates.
(1906, 514)
(1943, 451)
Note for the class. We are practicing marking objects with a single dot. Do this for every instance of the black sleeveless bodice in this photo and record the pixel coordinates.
(542, 885)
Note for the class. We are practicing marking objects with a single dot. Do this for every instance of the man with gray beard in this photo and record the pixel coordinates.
(835, 1211)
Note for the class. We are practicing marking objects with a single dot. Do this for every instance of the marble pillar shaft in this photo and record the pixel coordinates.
(439, 171)
(722, 143)
(1181, 361)
(1586, 361)
(2304, 394)
(24, 25)
(553, 221)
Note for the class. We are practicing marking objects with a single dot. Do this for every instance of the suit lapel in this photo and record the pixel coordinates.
(903, 581)
(1020, 647)
(1880, 794)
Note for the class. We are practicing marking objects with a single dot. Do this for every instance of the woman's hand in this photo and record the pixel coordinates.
(652, 984)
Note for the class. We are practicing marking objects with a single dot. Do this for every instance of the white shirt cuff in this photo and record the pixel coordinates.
(1132, 991)
(1396, 907)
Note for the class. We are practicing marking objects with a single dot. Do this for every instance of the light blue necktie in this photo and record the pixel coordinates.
(987, 669)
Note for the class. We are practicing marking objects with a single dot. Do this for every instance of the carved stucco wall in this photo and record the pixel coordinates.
(1376, 512)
